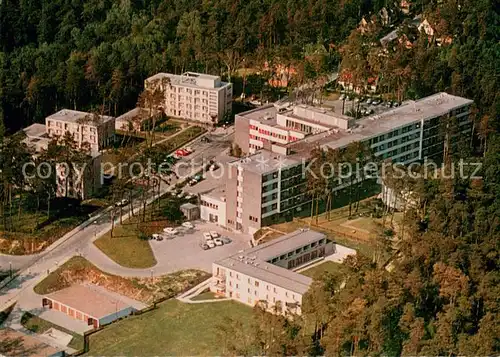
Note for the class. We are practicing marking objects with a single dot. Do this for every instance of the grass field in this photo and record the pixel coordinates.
(126, 248)
(174, 328)
(178, 140)
(30, 231)
(328, 266)
(38, 325)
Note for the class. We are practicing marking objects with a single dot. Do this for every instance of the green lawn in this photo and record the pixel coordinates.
(182, 138)
(328, 266)
(126, 248)
(174, 328)
(38, 325)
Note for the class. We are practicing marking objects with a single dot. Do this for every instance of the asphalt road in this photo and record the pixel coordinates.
(36, 267)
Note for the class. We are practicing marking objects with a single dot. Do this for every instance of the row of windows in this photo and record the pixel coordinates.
(209, 205)
(256, 283)
(267, 209)
(253, 219)
(299, 250)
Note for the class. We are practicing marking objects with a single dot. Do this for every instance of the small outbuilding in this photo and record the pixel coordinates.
(91, 304)
(191, 211)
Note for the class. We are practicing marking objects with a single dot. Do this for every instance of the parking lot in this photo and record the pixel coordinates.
(183, 251)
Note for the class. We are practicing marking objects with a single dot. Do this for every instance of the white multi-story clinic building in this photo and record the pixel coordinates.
(194, 96)
(270, 182)
(88, 130)
(265, 273)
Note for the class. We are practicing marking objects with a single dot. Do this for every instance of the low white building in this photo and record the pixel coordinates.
(213, 206)
(264, 274)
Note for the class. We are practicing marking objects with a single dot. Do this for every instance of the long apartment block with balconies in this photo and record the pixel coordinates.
(194, 96)
(265, 273)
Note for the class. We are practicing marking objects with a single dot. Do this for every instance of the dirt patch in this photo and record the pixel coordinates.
(78, 270)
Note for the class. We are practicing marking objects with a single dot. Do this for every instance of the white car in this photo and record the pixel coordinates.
(156, 236)
(214, 234)
(121, 203)
(170, 230)
(188, 225)
(207, 236)
(218, 241)
(210, 243)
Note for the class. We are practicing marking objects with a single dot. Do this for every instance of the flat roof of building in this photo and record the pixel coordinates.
(131, 114)
(93, 300)
(188, 79)
(265, 114)
(16, 343)
(265, 161)
(254, 261)
(374, 125)
(35, 131)
(73, 116)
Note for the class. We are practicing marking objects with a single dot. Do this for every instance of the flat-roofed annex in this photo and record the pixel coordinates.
(91, 300)
(255, 262)
(75, 116)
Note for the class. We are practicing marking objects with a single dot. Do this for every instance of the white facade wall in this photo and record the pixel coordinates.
(250, 291)
(213, 210)
(197, 97)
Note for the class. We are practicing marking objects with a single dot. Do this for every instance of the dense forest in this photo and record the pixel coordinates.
(82, 54)
(440, 296)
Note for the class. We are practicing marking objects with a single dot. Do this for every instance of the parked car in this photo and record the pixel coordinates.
(157, 237)
(188, 225)
(182, 152)
(218, 242)
(170, 230)
(205, 139)
(226, 240)
(207, 236)
(121, 203)
(180, 195)
(204, 246)
(214, 234)
(396, 104)
(210, 243)
(342, 96)
(376, 102)
(369, 101)
(189, 197)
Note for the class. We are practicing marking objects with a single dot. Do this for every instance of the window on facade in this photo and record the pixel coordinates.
(256, 283)
(274, 289)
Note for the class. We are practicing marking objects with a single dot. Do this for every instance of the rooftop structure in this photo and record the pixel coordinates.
(75, 116)
(409, 112)
(190, 79)
(264, 162)
(193, 96)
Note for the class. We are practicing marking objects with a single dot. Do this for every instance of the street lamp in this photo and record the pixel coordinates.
(95, 228)
(10, 269)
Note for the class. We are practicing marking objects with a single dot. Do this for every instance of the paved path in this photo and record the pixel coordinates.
(79, 241)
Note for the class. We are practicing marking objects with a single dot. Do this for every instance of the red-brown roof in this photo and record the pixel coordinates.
(91, 300)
